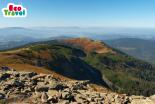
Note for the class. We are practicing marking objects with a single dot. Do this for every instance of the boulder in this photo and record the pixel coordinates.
(2, 96)
(42, 88)
(4, 76)
(52, 93)
(53, 100)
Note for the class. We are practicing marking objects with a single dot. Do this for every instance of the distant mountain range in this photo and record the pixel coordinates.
(19, 36)
(139, 48)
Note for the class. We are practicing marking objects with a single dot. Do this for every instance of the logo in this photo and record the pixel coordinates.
(13, 10)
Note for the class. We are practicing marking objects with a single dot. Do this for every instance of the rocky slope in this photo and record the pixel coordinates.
(32, 88)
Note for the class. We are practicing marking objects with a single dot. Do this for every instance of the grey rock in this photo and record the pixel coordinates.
(18, 84)
(28, 74)
(64, 102)
(53, 99)
(4, 76)
(42, 88)
(38, 76)
(2, 96)
(44, 97)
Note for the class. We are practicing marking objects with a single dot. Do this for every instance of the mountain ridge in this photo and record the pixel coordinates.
(70, 58)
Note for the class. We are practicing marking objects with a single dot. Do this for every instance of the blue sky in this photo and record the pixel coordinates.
(83, 13)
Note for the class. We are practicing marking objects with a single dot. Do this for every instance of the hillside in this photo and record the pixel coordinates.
(139, 48)
(85, 59)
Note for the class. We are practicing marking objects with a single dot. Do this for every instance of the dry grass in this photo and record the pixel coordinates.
(31, 68)
(89, 45)
(11, 60)
(99, 88)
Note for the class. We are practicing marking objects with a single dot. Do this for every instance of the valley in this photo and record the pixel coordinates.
(140, 48)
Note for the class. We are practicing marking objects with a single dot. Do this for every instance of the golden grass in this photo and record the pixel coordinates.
(89, 45)
(31, 68)
(11, 60)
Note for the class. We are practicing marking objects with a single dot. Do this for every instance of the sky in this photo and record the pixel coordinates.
(83, 13)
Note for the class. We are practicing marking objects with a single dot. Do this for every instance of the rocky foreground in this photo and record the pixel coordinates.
(32, 88)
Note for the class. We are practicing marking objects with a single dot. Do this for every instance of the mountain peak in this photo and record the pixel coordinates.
(14, 28)
(89, 45)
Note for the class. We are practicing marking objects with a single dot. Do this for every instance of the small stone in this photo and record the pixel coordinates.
(38, 76)
(64, 102)
(44, 97)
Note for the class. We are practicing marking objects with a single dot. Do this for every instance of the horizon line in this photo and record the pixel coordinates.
(78, 27)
